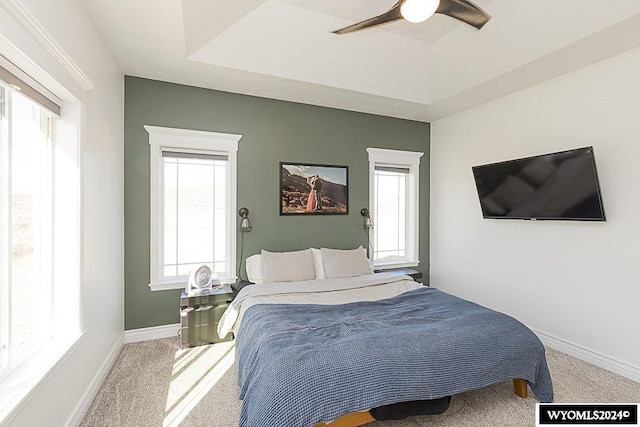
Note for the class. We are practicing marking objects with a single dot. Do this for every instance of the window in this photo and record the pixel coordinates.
(193, 205)
(394, 207)
(39, 231)
(26, 227)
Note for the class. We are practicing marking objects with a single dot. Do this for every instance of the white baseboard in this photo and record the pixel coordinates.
(83, 406)
(134, 335)
(152, 333)
(600, 360)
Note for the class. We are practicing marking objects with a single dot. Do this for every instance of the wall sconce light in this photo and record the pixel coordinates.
(245, 227)
(368, 223)
(245, 224)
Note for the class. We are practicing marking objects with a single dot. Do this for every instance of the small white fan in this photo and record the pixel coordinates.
(200, 280)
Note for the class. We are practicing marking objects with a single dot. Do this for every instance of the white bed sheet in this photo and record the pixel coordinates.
(368, 287)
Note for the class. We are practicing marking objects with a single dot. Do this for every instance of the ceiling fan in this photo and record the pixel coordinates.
(420, 10)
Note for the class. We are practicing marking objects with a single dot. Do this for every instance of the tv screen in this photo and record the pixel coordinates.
(556, 186)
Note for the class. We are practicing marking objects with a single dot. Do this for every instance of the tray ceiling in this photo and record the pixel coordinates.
(284, 49)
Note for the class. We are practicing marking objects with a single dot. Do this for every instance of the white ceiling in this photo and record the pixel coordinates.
(284, 49)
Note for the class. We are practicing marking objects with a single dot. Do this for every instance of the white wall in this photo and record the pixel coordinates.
(58, 398)
(577, 282)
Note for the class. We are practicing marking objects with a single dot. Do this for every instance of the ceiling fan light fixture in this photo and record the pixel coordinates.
(416, 11)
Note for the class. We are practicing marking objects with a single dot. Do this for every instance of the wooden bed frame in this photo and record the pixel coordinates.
(356, 419)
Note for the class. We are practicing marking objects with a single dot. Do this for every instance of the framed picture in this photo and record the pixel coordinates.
(311, 189)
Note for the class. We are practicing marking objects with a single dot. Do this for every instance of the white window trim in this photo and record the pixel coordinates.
(26, 375)
(163, 138)
(410, 160)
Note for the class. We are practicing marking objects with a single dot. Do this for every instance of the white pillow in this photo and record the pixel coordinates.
(253, 265)
(287, 266)
(339, 263)
(317, 263)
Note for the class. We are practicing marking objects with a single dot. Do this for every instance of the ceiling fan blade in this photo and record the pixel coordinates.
(391, 15)
(465, 11)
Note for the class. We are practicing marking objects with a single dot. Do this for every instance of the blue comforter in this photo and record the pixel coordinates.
(301, 364)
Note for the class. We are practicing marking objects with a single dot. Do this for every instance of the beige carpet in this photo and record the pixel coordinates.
(154, 383)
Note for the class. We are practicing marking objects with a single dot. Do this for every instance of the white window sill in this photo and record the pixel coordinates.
(167, 286)
(389, 266)
(18, 386)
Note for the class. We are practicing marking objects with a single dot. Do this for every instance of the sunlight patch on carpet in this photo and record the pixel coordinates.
(195, 372)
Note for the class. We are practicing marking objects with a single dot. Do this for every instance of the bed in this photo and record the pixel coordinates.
(312, 351)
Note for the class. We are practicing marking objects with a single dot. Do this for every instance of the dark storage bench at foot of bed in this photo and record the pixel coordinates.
(399, 411)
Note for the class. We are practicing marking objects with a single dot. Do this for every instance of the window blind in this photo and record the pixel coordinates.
(394, 169)
(194, 155)
(14, 76)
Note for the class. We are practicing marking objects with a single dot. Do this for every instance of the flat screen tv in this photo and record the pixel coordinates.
(556, 186)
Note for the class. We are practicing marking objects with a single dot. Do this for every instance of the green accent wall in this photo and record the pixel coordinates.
(272, 131)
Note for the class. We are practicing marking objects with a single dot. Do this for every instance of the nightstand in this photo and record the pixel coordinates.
(415, 274)
(200, 314)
